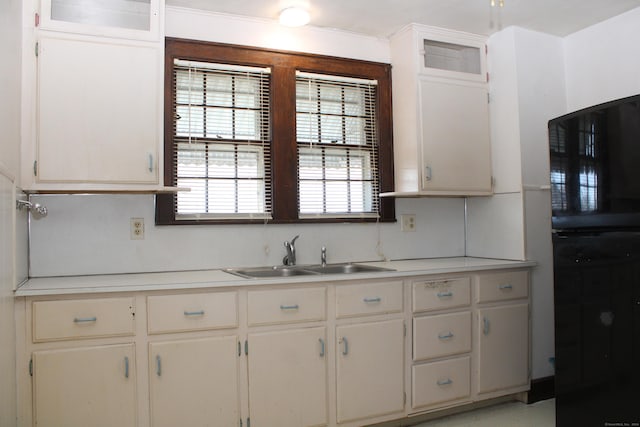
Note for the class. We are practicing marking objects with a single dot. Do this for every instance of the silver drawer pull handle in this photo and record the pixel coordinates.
(446, 336)
(372, 300)
(158, 366)
(444, 294)
(345, 349)
(289, 307)
(194, 313)
(126, 367)
(485, 325)
(508, 286)
(85, 319)
(321, 347)
(445, 382)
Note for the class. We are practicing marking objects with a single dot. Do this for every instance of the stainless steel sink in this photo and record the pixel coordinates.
(344, 268)
(302, 270)
(265, 272)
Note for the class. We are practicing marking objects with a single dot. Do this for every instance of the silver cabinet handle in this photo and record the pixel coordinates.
(126, 367)
(150, 162)
(289, 307)
(444, 294)
(444, 382)
(446, 336)
(85, 319)
(321, 347)
(372, 300)
(485, 325)
(194, 313)
(158, 366)
(427, 173)
(505, 287)
(345, 343)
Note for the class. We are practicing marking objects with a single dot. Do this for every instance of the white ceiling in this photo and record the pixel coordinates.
(382, 18)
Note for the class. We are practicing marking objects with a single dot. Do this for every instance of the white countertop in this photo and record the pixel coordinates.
(201, 279)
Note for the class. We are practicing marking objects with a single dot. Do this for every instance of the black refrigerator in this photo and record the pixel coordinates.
(595, 191)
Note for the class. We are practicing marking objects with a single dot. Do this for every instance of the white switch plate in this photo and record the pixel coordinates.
(408, 222)
(137, 228)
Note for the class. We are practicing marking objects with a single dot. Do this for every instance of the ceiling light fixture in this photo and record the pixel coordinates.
(294, 17)
(500, 3)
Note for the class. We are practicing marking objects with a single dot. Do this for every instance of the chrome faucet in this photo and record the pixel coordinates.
(323, 256)
(290, 257)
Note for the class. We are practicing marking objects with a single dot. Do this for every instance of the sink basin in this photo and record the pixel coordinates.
(343, 268)
(302, 270)
(266, 272)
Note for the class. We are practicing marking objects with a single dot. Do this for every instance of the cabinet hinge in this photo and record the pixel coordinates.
(35, 168)
(246, 348)
(31, 367)
(37, 48)
(36, 19)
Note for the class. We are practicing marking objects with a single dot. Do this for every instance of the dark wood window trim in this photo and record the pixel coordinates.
(283, 112)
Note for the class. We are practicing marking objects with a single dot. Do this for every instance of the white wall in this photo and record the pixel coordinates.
(85, 234)
(603, 61)
(10, 52)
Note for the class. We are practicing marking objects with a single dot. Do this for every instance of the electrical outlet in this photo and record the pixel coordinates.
(137, 228)
(408, 222)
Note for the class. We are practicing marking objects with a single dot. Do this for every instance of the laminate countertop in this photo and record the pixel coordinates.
(218, 278)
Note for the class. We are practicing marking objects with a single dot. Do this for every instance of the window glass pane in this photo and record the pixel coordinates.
(333, 118)
(221, 137)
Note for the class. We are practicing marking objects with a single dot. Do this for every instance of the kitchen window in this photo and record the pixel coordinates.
(278, 137)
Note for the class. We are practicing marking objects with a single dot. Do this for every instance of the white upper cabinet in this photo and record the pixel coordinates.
(98, 112)
(442, 143)
(132, 19)
(97, 107)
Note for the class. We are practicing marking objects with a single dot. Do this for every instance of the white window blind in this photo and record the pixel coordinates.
(337, 146)
(221, 139)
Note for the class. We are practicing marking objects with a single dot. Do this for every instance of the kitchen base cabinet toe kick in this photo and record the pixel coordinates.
(343, 353)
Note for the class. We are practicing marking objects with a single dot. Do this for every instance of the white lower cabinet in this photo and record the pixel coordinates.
(89, 386)
(194, 382)
(287, 373)
(503, 353)
(370, 369)
(322, 354)
(441, 382)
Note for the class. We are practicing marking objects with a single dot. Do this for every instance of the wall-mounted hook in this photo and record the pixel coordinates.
(31, 207)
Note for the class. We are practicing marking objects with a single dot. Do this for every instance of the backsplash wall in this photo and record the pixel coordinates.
(90, 234)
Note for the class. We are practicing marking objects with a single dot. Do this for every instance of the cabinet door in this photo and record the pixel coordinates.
(92, 386)
(97, 112)
(288, 378)
(370, 369)
(194, 382)
(503, 338)
(456, 146)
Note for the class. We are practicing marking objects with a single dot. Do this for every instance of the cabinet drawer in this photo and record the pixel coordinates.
(286, 305)
(441, 335)
(88, 318)
(359, 300)
(441, 294)
(503, 286)
(439, 382)
(192, 312)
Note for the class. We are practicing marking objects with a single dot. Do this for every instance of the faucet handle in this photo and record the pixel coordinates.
(293, 241)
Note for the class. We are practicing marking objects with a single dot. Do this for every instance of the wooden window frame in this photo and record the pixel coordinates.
(284, 163)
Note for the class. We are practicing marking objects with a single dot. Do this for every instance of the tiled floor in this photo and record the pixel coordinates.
(510, 414)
